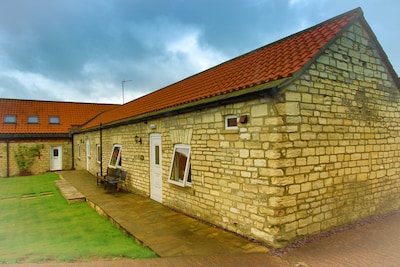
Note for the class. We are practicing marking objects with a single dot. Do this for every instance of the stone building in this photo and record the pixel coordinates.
(289, 140)
(28, 123)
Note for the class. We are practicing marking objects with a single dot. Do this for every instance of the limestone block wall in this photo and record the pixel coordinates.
(135, 156)
(340, 161)
(42, 161)
(230, 168)
(322, 153)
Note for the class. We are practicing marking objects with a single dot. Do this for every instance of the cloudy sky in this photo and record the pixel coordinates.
(74, 50)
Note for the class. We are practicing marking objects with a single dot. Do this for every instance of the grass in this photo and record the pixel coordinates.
(38, 225)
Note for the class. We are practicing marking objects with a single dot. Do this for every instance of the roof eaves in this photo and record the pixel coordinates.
(25, 136)
(233, 96)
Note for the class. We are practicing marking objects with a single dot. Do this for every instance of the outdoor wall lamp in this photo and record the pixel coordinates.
(138, 139)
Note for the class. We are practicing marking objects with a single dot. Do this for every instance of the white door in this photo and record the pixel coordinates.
(87, 153)
(56, 158)
(155, 167)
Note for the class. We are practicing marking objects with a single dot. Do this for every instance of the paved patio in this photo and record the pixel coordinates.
(166, 232)
(183, 241)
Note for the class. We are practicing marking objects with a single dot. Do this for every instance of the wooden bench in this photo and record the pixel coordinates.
(115, 180)
(111, 174)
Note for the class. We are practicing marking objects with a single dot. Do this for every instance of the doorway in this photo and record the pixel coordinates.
(155, 167)
(87, 154)
(56, 158)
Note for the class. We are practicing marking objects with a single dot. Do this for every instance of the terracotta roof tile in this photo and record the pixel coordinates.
(70, 114)
(278, 60)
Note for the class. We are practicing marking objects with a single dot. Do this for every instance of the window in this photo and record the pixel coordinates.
(115, 158)
(180, 166)
(54, 120)
(79, 151)
(98, 153)
(157, 155)
(231, 122)
(12, 119)
(33, 119)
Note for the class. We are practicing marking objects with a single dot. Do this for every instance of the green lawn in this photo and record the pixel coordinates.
(38, 225)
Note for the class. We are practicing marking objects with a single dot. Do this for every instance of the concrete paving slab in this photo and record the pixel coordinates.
(376, 243)
(165, 231)
(70, 193)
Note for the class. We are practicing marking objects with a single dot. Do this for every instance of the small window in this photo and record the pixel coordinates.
(180, 173)
(231, 122)
(98, 153)
(11, 119)
(33, 119)
(54, 120)
(157, 155)
(79, 151)
(115, 158)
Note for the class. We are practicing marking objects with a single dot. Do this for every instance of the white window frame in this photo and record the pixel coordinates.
(178, 149)
(79, 151)
(98, 156)
(115, 165)
(227, 119)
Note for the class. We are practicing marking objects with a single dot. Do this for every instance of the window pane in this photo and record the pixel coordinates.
(179, 164)
(10, 119)
(114, 156)
(179, 173)
(33, 119)
(55, 152)
(157, 155)
(232, 122)
(98, 150)
(54, 120)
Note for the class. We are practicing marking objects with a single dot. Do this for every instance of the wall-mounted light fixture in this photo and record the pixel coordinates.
(138, 139)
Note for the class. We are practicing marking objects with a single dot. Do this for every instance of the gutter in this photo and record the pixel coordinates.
(270, 89)
(24, 136)
(8, 158)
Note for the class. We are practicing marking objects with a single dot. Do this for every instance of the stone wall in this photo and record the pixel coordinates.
(135, 156)
(322, 153)
(341, 158)
(42, 161)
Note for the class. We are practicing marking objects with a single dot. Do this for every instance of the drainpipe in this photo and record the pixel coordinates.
(71, 135)
(101, 149)
(8, 157)
(73, 153)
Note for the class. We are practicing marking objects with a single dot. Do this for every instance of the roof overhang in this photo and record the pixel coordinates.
(27, 136)
(262, 90)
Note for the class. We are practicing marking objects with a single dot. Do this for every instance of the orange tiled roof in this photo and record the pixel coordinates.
(70, 114)
(278, 60)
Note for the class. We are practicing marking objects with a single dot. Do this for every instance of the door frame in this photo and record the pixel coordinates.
(155, 138)
(87, 146)
(59, 147)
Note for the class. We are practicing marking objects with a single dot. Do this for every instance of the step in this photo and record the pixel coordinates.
(70, 193)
